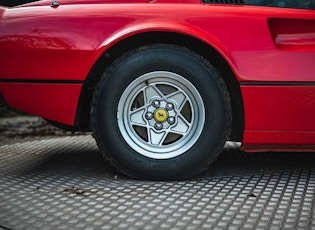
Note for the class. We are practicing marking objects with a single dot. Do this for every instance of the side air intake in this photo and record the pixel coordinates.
(239, 2)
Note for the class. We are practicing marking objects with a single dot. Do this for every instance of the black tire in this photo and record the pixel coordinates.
(133, 141)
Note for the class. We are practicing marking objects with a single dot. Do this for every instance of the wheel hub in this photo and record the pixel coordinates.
(160, 115)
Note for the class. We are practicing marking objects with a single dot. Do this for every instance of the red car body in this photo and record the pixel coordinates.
(49, 53)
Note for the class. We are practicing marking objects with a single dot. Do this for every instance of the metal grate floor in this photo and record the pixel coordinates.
(64, 183)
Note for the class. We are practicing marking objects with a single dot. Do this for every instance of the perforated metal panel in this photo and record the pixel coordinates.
(64, 183)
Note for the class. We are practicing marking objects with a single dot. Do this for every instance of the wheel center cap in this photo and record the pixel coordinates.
(160, 115)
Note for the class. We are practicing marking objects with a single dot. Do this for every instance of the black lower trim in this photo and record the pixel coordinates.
(41, 81)
(278, 83)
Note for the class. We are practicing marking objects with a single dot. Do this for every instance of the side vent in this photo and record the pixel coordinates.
(237, 2)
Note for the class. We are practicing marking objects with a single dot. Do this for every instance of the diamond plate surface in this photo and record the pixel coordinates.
(64, 183)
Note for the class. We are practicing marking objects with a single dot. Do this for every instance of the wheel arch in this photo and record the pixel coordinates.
(148, 38)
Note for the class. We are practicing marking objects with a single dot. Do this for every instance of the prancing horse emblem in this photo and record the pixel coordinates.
(160, 115)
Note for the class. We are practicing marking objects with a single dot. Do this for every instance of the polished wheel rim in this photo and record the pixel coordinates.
(160, 115)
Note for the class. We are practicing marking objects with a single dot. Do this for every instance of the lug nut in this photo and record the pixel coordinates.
(171, 120)
(149, 115)
(158, 126)
(169, 106)
(156, 104)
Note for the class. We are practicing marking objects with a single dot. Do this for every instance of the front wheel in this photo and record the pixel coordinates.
(161, 112)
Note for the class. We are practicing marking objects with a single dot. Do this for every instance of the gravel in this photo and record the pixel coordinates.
(19, 129)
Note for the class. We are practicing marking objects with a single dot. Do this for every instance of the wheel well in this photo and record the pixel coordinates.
(83, 110)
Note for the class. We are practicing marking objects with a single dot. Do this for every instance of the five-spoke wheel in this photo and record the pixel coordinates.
(161, 115)
(161, 112)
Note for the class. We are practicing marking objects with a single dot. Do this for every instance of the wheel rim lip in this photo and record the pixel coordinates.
(170, 150)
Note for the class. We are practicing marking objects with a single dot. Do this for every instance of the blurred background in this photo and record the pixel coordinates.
(17, 127)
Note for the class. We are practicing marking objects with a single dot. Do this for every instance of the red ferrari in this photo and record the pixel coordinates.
(163, 84)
